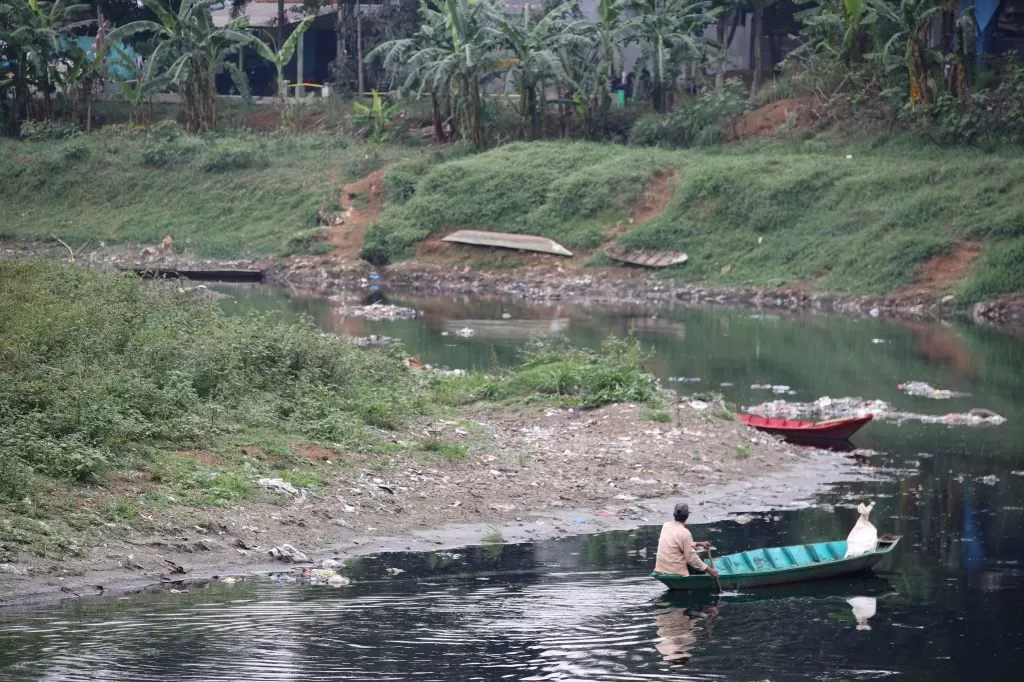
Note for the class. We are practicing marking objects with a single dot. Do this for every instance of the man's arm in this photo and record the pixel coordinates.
(690, 553)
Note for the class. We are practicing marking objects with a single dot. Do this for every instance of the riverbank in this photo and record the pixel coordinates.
(504, 475)
(534, 278)
(829, 222)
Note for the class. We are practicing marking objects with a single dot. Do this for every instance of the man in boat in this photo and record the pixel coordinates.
(677, 552)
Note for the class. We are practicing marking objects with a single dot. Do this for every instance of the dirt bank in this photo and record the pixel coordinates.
(534, 475)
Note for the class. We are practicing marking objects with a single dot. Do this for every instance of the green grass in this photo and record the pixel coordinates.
(446, 449)
(223, 195)
(742, 452)
(763, 215)
(569, 192)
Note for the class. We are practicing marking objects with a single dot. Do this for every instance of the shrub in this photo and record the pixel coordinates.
(400, 182)
(616, 373)
(96, 371)
(169, 153)
(227, 158)
(47, 130)
(697, 123)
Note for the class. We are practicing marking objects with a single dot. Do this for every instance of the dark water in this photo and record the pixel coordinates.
(948, 606)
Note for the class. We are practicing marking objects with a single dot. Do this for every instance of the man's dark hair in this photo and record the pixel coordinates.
(681, 512)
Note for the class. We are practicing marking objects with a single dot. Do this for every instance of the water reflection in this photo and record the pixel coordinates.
(677, 628)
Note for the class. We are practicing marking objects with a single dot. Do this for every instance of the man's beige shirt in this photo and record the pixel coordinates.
(676, 553)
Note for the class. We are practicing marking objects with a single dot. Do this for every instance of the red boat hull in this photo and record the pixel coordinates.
(791, 429)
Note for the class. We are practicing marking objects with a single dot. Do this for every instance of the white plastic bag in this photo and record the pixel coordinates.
(864, 536)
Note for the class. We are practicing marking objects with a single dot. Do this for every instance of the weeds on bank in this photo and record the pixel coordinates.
(98, 374)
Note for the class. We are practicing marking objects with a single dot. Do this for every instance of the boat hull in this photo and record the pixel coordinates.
(835, 430)
(780, 566)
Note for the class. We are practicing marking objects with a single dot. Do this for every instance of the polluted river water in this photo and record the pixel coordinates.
(946, 606)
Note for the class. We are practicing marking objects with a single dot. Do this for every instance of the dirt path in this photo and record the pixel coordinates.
(944, 272)
(361, 203)
(534, 474)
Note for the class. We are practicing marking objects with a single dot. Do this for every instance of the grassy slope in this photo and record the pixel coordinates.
(100, 187)
(759, 215)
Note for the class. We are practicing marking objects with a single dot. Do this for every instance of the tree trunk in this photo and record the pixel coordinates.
(476, 127)
(758, 30)
(359, 46)
(435, 111)
(724, 56)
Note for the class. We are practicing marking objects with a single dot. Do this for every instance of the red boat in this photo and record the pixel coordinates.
(792, 429)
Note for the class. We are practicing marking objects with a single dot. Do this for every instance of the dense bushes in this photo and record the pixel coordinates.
(697, 123)
(96, 370)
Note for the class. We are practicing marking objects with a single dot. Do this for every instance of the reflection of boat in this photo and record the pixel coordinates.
(792, 429)
(828, 588)
(781, 565)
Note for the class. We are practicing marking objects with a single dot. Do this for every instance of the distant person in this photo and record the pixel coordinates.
(629, 86)
(677, 552)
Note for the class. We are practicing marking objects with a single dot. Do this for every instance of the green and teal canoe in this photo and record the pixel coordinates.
(781, 566)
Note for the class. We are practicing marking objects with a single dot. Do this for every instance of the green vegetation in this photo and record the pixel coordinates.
(448, 450)
(493, 536)
(570, 192)
(616, 373)
(759, 215)
(98, 373)
(742, 452)
(247, 195)
(658, 416)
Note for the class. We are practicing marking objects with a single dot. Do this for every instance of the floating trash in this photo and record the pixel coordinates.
(774, 388)
(920, 388)
(380, 311)
(826, 408)
(685, 380)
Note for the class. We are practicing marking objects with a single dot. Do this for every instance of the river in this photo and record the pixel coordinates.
(947, 606)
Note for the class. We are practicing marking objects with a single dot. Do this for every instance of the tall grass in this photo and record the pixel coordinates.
(99, 373)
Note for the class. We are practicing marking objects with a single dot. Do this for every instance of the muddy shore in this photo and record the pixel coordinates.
(533, 475)
(544, 280)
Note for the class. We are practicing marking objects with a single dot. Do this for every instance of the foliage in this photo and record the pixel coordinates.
(697, 123)
(1000, 271)
(189, 48)
(280, 57)
(44, 130)
(96, 371)
(376, 117)
(616, 373)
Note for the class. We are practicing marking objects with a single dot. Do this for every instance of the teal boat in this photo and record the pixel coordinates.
(781, 566)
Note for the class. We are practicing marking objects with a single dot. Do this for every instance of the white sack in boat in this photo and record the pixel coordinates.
(864, 536)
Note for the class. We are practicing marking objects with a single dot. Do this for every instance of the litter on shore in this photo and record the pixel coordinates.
(920, 388)
(826, 408)
(380, 311)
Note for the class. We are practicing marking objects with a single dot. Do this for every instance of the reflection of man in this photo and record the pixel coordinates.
(677, 552)
(677, 633)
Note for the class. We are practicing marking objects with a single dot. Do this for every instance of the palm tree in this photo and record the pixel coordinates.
(910, 21)
(671, 32)
(189, 49)
(537, 60)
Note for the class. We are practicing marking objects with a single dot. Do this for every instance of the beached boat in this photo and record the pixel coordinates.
(792, 429)
(649, 259)
(781, 566)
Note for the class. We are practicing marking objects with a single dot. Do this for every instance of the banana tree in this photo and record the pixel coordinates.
(538, 52)
(456, 47)
(671, 32)
(608, 34)
(910, 21)
(281, 57)
(189, 49)
(35, 33)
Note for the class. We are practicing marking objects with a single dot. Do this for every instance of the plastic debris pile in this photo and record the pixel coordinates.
(380, 311)
(779, 389)
(825, 408)
(919, 388)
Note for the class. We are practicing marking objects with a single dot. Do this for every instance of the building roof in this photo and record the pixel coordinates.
(261, 13)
